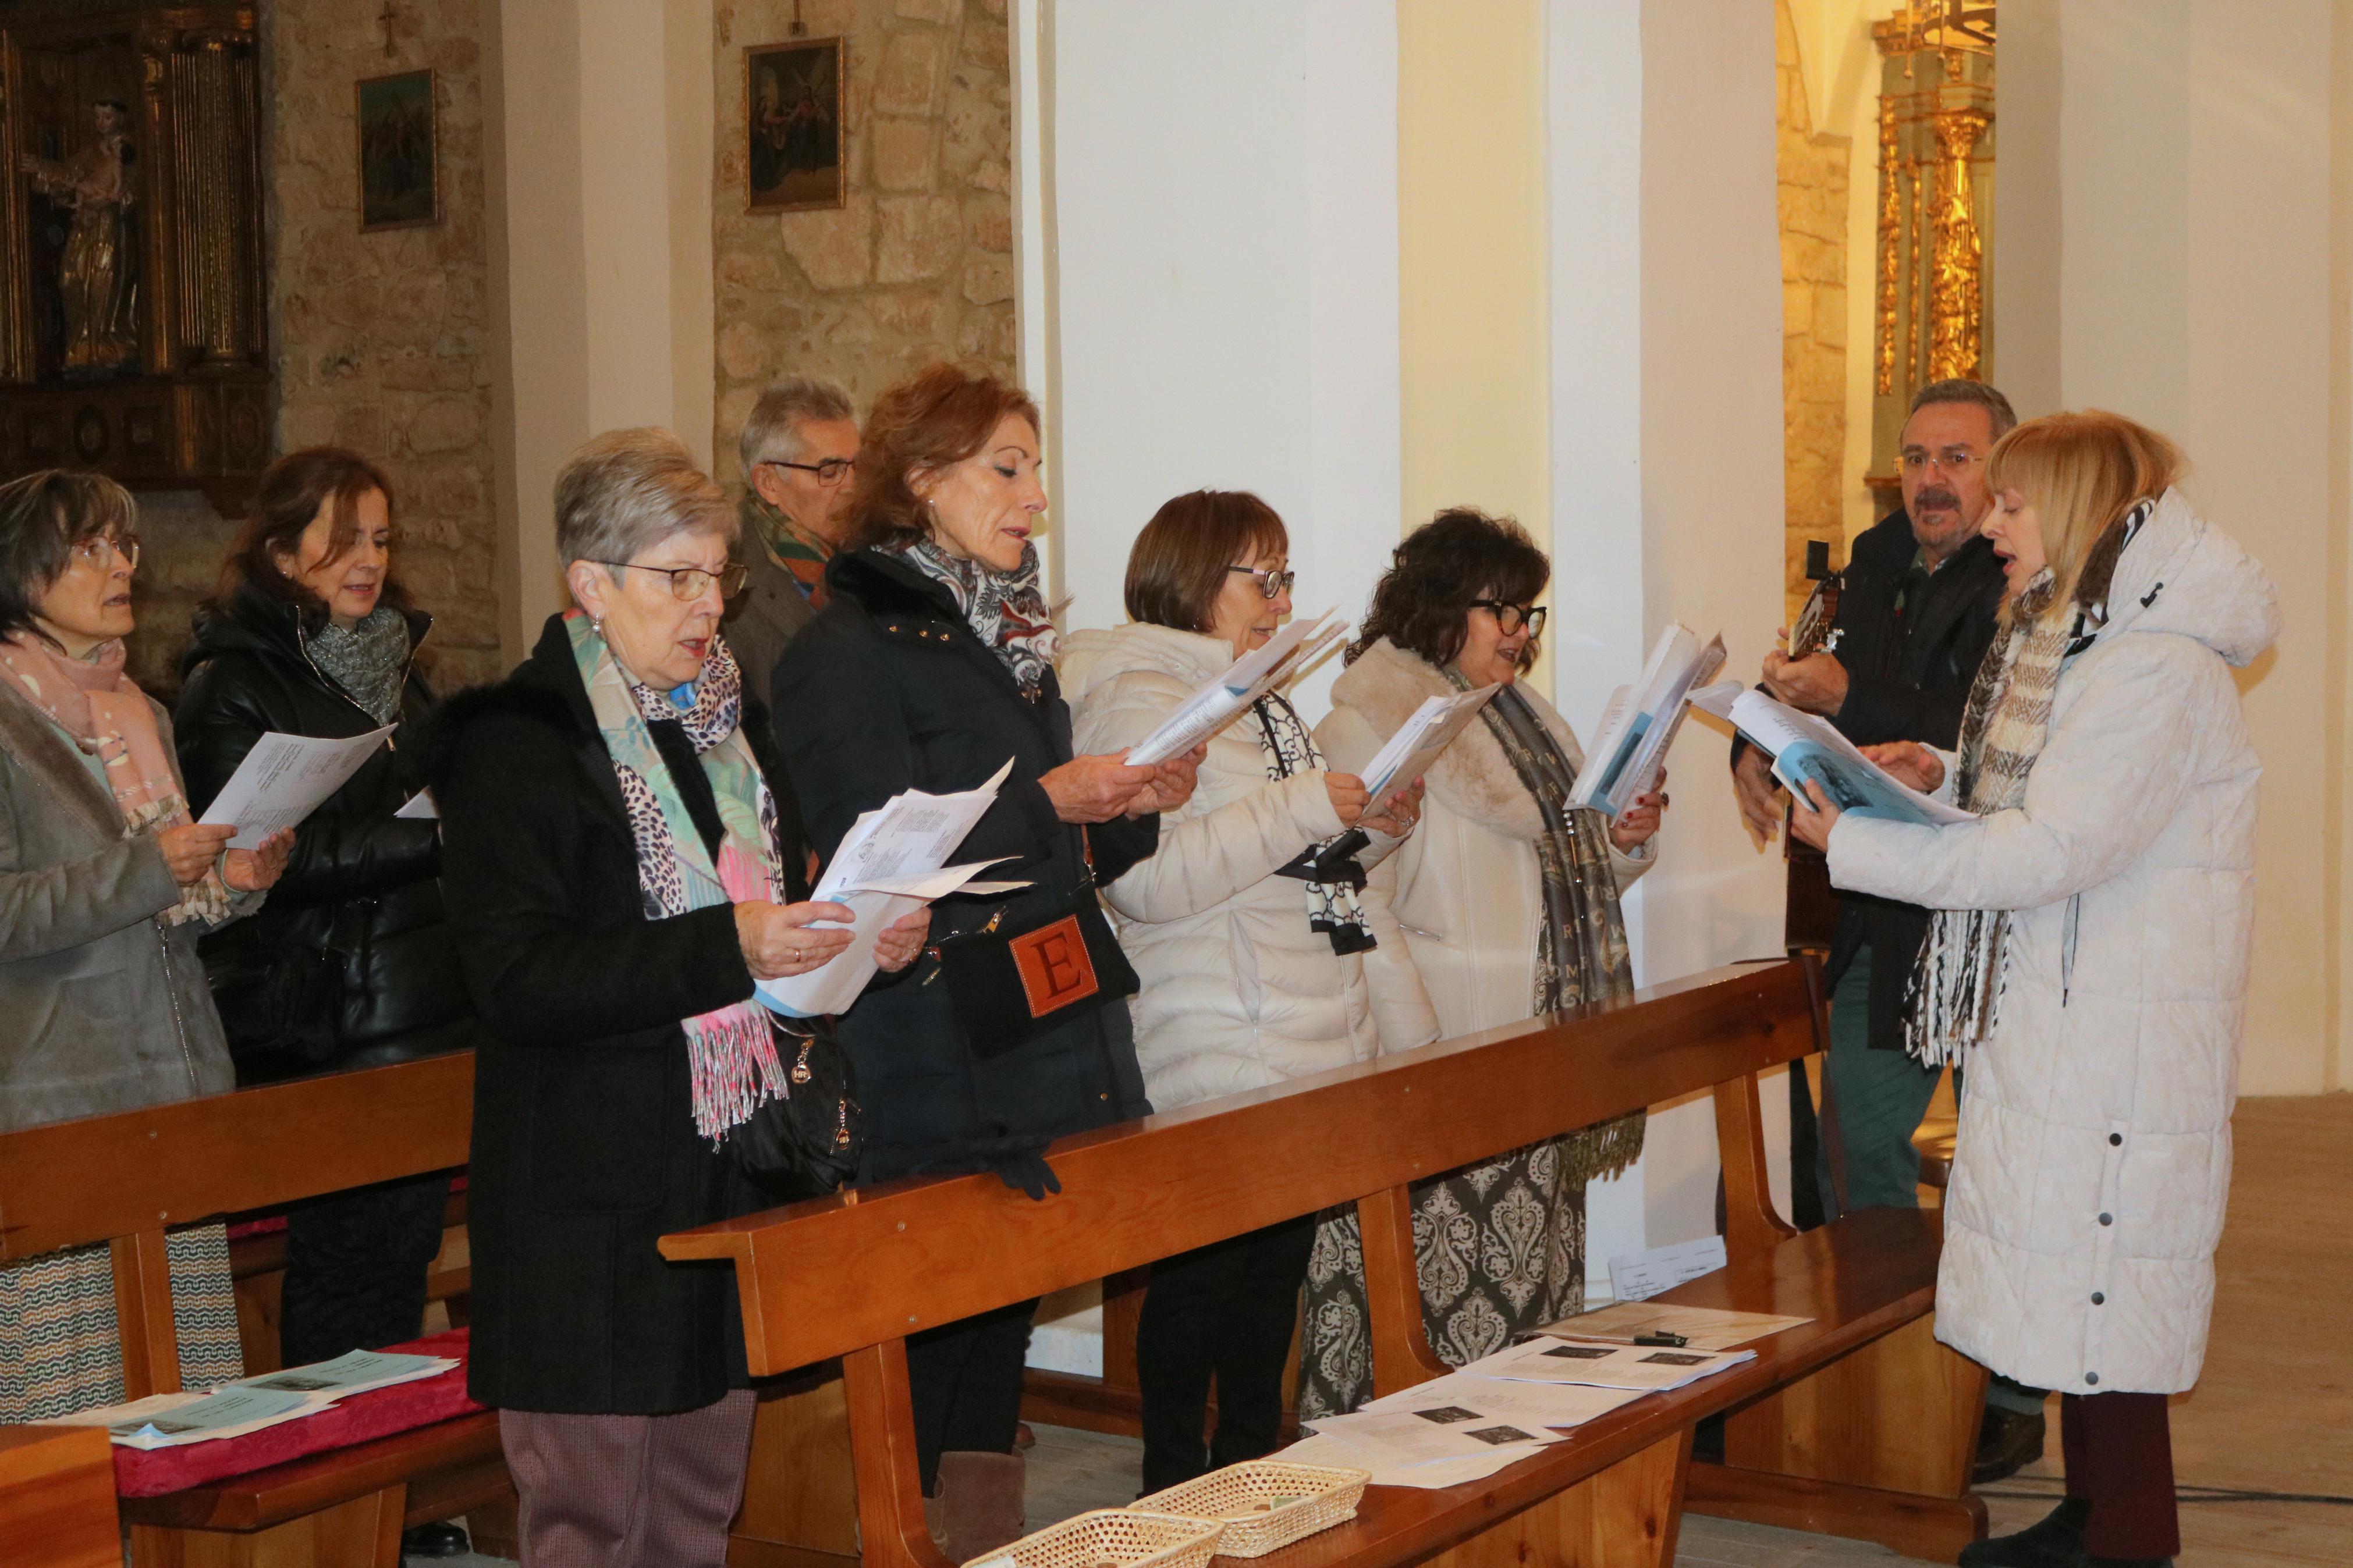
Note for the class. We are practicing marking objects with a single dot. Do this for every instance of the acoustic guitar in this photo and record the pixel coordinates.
(1811, 910)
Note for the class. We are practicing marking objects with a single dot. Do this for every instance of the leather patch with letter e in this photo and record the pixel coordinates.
(1055, 965)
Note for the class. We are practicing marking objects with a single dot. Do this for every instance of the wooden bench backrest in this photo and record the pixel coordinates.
(839, 1274)
(122, 1178)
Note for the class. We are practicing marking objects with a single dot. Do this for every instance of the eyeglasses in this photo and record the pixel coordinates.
(1510, 618)
(97, 551)
(830, 472)
(1953, 460)
(693, 581)
(1273, 584)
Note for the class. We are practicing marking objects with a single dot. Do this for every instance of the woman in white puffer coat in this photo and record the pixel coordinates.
(1254, 968)
(2089, 971)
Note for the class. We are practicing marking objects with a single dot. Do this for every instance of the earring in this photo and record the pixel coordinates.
(598, 625)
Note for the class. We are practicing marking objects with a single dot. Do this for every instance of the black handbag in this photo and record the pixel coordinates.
(1009, 987)
(807, 1143)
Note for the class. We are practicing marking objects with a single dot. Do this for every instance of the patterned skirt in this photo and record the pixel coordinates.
(58, 1345)
(1500, 1248)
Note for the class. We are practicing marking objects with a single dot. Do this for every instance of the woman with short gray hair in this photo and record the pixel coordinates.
(621, 863)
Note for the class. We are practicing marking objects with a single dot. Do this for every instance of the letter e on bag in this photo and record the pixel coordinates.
(1055, 965)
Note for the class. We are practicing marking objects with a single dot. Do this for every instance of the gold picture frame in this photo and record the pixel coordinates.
(796, 144)
(397, 143)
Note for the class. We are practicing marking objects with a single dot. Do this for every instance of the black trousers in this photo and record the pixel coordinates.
(1225, 1310)
(964, 1380)
(355, 1267)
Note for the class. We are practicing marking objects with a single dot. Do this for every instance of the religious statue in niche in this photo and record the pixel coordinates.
(794, 141)
(94, 279)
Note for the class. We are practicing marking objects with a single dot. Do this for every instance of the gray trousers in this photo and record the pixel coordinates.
(628, 1491)
(1880, 1097)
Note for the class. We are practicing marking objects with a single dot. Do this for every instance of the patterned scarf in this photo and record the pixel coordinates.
(1581, 949)
(1332, 906)
(105, 714)
(732, 1050)
(1955, 994)
(370, 662)
(801, 553)
(1005, 610)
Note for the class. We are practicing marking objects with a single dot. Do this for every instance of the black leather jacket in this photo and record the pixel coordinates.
(350, 962)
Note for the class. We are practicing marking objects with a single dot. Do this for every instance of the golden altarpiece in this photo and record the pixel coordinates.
(133, 316)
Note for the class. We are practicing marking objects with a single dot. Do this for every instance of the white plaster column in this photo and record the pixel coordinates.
(601, 169)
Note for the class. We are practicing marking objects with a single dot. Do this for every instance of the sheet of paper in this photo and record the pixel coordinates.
(223, 1412)
(1637, 1367)
(1806, 747)
(1629, 746)
(354, 1372)
(420, 808)
(1516, 1402)
(1639, 1275)
(1427, 732)
(1429, 1432)
(283, 779)
(1249, 678)
(1318, 1450)
(1703, 1328)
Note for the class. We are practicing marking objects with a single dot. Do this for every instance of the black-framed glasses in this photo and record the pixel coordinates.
(99, 549)
(1273, 584)
(693, 581)
(1510, 618)
(830, 471)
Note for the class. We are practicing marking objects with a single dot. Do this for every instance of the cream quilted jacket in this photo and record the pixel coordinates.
(2095, 1150)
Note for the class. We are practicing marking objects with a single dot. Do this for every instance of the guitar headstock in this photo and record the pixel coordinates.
(1815, 629)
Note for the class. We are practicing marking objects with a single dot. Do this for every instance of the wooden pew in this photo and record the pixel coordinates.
(123, 1179)
(56, 1498)
(1857, 1423)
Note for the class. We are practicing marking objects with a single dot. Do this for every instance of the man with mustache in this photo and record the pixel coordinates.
(1915, 618)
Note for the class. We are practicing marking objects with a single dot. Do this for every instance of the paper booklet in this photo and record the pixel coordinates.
(1224, 699)
(1638, 1367)
(1333, 1452)
(1427, 731)
(283, 779)
(1701, 1328)
(1809, 748)
(176, 1420)
(889, 865)
(1629, 746)
(353, 1372)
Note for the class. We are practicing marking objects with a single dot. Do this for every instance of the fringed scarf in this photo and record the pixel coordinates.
(104, 713)
(1582, 953)
(732, 1051)
(1005, 610)
(1332, 906)
(1954, 995)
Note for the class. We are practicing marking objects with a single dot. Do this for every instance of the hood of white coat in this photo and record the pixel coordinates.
(1093, 658)
(2182, 575)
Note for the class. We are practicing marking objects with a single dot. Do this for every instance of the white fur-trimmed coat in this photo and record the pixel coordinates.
(1239, 992)
(2094, 1160)
(1466, 886)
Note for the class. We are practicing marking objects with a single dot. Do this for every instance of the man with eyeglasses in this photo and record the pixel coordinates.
(1915, 617)
(799, 449)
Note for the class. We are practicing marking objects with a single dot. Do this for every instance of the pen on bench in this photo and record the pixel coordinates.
(1660, 1337)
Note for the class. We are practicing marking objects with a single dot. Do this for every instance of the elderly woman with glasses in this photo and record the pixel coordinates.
(622, 863)
(1509, 904)
(105, 885)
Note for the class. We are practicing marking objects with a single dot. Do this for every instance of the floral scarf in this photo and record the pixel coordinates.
(732, 1051)
(1332, 906)
(1005, 610)
(105, 714)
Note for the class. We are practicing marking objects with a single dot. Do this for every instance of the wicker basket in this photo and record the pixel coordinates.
(1112, 1537)
(1265, 1503)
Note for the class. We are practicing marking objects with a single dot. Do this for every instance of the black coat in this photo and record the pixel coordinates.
(585, 1150)
(349, 963)
(888, 690)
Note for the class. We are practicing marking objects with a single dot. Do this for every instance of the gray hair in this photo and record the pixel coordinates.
(770, 431)
(1978, 393)
(622, 493)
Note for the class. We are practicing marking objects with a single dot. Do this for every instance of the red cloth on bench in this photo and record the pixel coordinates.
(359, 1418)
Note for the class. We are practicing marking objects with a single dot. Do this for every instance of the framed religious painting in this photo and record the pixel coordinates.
(794, 143)
(399, 153)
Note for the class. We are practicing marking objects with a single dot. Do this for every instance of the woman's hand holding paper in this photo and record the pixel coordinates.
(901, 940)
(1910, 763)
(779, 940)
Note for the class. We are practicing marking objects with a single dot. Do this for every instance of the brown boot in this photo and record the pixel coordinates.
(979, 1503)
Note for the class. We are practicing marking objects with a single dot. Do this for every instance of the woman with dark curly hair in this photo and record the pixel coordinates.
(1509, 904)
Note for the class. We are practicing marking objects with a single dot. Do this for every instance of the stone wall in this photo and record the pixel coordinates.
(380, 340)
(918, 264)
(1813, 194)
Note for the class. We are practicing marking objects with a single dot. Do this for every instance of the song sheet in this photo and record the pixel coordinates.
(419, 807)
(1320, 1448)
(283, 779)
(1427, 731)
(1638, 1276)
(1809, 748)
(353, 1372)
(1638, 1367)
(1520, 1403)
(890, 864)
(1640, 721)
(1701, 1328)
(1249, 678)
(1429, 1432)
